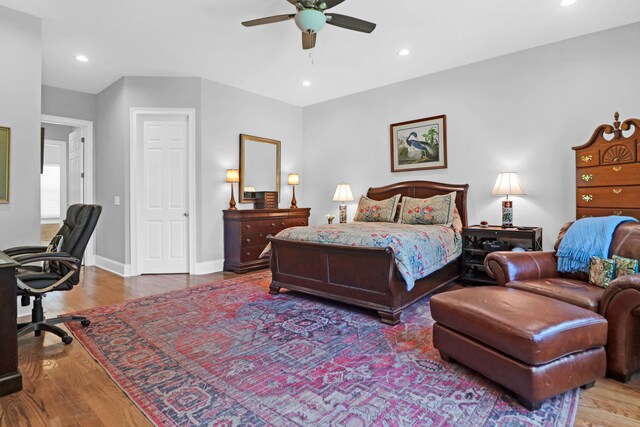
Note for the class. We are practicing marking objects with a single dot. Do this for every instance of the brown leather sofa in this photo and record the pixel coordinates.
(537, 272)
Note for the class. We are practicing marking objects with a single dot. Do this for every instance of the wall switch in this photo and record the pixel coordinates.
(116, 200)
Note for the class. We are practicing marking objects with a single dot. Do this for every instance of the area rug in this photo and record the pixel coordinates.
(228, 353)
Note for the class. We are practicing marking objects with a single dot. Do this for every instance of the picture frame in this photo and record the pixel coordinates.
(419, 144)
(5, 157)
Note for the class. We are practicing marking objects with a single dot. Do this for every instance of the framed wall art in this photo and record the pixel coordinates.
(419, 144)
(5, 140)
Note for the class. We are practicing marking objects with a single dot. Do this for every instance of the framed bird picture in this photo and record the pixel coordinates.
(419, 144)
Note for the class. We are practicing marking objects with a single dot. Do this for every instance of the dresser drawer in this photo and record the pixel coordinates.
(589, 212)
(268, 226)
(608, 197)
(599, 176)
(587, 158)
(295, 222)
(254, 239)
(251, 253)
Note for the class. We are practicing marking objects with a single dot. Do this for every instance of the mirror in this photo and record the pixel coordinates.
(259, 166)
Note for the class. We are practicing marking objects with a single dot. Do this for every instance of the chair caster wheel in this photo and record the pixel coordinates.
(67, 340)
(85, 323)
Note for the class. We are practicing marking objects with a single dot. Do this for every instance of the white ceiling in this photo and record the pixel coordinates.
(204, 38)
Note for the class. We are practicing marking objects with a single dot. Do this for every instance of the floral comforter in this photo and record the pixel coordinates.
(419, 249)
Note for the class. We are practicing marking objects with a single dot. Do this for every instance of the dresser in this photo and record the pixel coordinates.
(608, 171)
(246, 231)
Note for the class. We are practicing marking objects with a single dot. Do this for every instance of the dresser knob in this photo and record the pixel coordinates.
(248, 227)
(248, 253)
(587, 177)
(617, 213)
(282, 224)
(587, 159)
(617, 168)
(273, 224)
(587, 197)
(617, 190)
(248, 240)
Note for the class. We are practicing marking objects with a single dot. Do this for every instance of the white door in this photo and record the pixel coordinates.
(76, 169)
(163, 184)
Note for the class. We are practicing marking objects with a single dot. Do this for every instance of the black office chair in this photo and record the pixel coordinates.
(58, 268)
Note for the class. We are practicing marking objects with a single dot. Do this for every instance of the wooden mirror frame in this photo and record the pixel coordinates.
(243, 139)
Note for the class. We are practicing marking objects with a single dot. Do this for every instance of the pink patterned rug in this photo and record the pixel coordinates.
(228, 353)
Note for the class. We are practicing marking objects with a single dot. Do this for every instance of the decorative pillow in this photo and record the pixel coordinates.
(396, 217)
(434, 210)
(625, 266)
(602, 271)
(376, 210)
(54, 246)
(457, 220)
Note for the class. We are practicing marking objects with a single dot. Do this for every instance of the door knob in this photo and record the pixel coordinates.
(186, 214)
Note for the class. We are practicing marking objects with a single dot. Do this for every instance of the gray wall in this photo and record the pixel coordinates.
(112, 137)
(57, 132)
(226, 113)
(20, 76)
(521, 112)
(68, 103)
(222, 113)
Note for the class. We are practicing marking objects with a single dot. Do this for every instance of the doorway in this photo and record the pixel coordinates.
(162, 190)
(66, 173)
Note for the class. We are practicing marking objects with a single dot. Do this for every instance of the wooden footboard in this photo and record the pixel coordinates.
(366, 277)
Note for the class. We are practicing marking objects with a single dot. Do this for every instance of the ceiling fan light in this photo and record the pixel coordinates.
(310, 20)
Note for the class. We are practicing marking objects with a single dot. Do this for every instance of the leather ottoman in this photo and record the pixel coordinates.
(535, 346)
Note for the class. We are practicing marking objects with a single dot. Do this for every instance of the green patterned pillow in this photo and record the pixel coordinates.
(625, 266)
(434, 210)
(376, 210)
(602, 271)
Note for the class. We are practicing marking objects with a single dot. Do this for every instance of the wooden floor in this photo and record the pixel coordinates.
(64, 386)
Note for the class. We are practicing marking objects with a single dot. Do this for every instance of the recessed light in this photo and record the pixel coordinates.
(404, 52)
(306, 83)
(82, 58)
(566, 3)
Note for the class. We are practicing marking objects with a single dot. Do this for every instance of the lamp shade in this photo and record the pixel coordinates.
(310, 20)
(508, 184)
(293, 179)
(343, 193)
(233, 175)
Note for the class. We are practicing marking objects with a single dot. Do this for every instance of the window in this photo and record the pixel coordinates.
(50, 192)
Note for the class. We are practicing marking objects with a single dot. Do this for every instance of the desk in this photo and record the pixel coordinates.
(10, 377)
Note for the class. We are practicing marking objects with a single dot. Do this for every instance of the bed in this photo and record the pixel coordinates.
(362, 276)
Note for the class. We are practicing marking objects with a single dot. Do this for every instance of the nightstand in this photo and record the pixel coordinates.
(478, 241)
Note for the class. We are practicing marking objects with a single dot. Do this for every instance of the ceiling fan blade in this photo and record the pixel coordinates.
(309, 40)
(350, 23)
(268, 20)
(331, 3)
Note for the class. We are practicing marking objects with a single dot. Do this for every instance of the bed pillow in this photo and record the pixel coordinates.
(434, 210)
(625, 266)
(370, 210)
(601, 271)
(457, 220)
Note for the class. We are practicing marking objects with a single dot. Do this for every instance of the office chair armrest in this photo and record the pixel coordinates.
(21, 250)
(46, 256)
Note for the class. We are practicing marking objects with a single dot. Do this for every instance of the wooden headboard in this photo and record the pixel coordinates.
(422, 190)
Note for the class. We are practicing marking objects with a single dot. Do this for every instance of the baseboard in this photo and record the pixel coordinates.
(208, 266)
(116, 267)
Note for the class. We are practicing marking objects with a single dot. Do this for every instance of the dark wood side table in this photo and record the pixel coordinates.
(477, 243)
(246, 231)
(10, 377)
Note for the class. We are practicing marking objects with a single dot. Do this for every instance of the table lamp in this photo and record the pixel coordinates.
(294, 180)
(232, 176)
(343, 194)
(507, 184)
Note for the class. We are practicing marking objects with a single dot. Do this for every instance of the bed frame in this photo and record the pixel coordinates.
(366, 277)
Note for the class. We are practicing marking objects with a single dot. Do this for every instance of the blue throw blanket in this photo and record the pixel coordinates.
(587, 237)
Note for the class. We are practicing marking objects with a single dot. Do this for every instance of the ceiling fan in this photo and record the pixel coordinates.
(311, 17)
